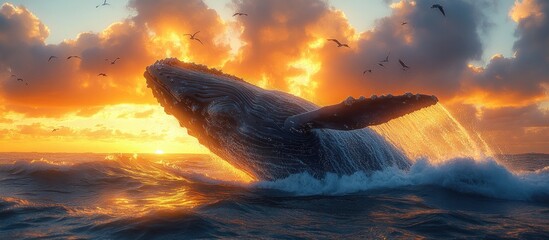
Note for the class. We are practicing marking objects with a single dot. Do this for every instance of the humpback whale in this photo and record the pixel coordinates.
(271, 134)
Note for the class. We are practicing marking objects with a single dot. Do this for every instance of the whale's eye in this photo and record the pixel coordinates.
(223, 114)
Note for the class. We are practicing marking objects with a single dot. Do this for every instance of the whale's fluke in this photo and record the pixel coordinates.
(359, 113)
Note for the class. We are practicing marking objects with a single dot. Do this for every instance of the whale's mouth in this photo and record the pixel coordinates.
(157, 79)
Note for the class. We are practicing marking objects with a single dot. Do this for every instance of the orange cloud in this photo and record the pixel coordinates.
(524, 9)
(59, 86)
(281, 42)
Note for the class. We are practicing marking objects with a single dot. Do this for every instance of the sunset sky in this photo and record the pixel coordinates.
(487, 61)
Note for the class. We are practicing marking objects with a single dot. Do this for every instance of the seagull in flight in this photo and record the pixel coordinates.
(105, 3)
(74, 56)
(20, 79)
(386, 58)
(192, 37)
(113, 62)
(404, 66)
(367, 71)
(338, 43)
(439, 8)
(240, 14)
(51, 57)
(102, 74)
(55, 129)
(381, 64)
(404, 23)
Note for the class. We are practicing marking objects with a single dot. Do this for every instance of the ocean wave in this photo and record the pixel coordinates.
(465, 175)
(482, 177)
(110, 166)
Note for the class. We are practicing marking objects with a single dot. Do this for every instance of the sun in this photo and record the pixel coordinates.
(159, 151)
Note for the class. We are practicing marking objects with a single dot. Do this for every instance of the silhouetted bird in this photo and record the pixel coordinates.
(240, 14)
(113, 62)
(404, 23)
(367, 71)
(105, 3)
(55, 129)
(439, 8)
(74, 56)
(386, 58)
(338, 43)
(102, 74)
(51, 57)
(381, 64)
(192, 37)
(20, 79)
(404, 66)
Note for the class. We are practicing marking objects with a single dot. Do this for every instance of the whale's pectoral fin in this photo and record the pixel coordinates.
(360, 113)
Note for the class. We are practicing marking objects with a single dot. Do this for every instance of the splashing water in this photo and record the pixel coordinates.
(433, 133)
(443, 153)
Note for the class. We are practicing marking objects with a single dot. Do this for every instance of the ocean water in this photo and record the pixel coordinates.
(126, 196)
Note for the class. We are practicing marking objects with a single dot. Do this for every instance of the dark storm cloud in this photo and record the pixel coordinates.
(512, 88)
(437, 49)
(523, 78)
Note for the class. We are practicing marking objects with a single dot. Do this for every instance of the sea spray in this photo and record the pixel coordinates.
(433, 133)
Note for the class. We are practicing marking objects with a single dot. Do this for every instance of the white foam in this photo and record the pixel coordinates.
(465, 175)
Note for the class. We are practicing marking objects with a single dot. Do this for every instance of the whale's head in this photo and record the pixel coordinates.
(196, 95)
(234, 119)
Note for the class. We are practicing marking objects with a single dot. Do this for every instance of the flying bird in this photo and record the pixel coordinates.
(113, 62)
(439, 8)
(381, 64)
(13, 75)
(74, 56)
(105, 3)
(102, 74)
(386, 58)
(20, 79)
(404, 23)
(55, 129)
(240, 14)
(51, 57)
(338, 43)
(404, 66)
(192, 37)
(367, 71)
